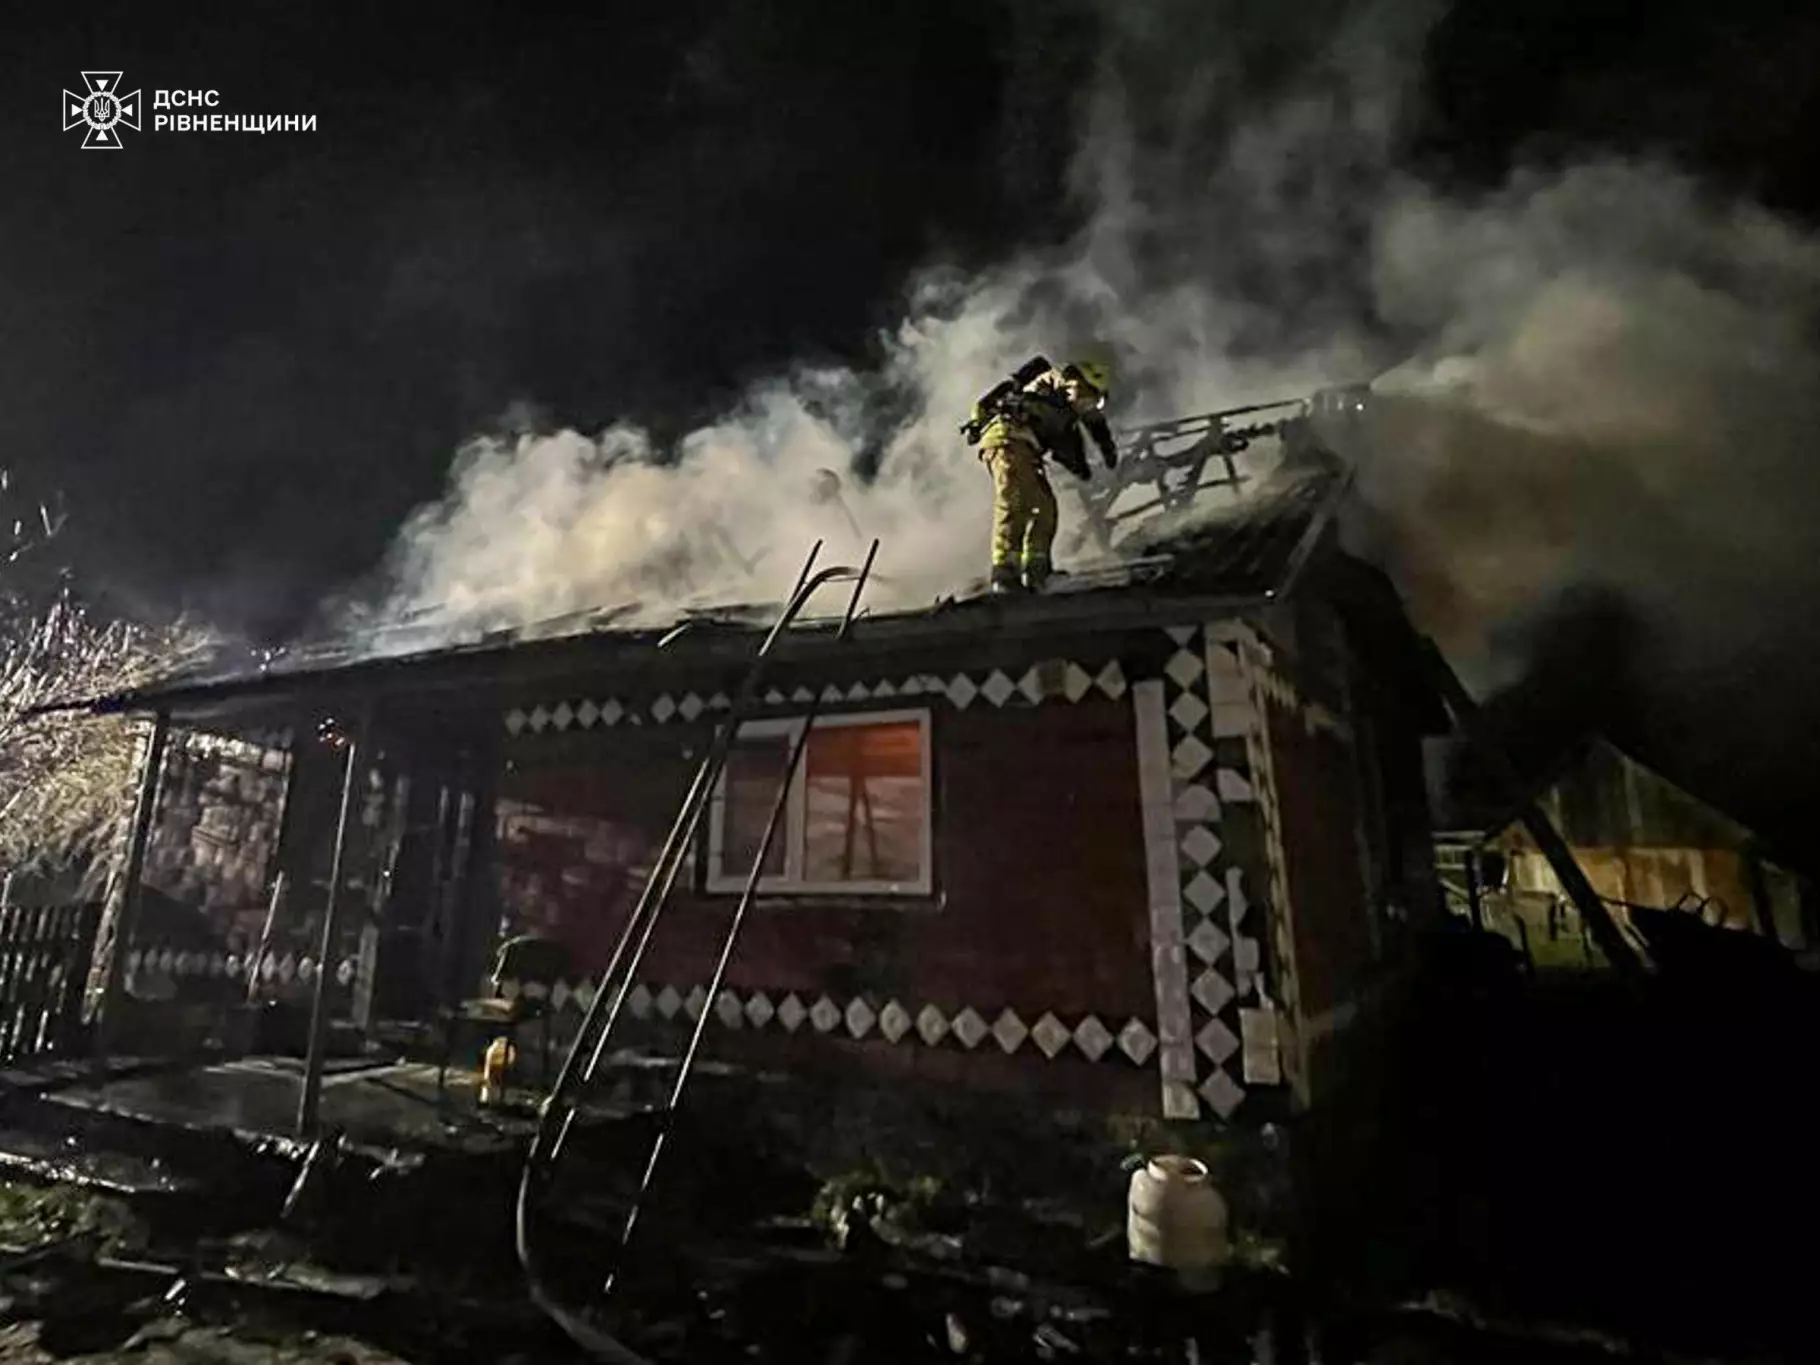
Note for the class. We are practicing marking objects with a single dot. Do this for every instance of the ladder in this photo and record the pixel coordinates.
(561, 1110)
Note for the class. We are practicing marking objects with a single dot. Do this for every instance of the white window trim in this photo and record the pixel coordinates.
(792, 881)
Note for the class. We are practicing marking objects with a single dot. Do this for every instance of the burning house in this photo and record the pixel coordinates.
(1147, 841)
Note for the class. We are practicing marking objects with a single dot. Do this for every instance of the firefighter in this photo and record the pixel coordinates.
(1038, 413)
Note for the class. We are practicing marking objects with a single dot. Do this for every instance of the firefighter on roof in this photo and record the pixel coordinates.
(1039, 412)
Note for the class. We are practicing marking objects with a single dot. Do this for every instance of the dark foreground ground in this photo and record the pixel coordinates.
(1551, 1173)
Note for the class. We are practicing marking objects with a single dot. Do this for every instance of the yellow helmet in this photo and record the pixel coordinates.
(1094, 373)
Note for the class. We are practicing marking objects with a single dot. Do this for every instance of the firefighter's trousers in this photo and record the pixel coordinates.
(1023, 513)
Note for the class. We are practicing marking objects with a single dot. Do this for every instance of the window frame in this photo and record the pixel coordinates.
(792, 882)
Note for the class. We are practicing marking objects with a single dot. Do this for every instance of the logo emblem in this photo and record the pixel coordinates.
(104, 110)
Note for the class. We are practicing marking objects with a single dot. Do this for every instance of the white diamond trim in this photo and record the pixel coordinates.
(1222, 1093)
(1050, 1035)
(1201, 845)
(1212, 991)
(1092, 1038)
(969, 1028)
(1217, 1041)
(791, 1013)
(1208, 941)
(894, 1021)
(1136, 1041)
(931, 1025)
(1009, 1031)
(860, 1017)
(1188, 710)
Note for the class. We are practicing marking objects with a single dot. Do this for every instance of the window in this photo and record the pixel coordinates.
(857, 816)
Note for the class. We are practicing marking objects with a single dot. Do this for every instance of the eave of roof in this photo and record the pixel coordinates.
(1218, 568)
(701, 645)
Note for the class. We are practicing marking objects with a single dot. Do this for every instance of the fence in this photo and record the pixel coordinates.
(44, 958)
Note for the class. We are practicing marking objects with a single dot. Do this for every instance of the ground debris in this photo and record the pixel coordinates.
(174, 1342)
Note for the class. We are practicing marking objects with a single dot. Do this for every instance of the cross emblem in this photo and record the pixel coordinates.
(104, 110)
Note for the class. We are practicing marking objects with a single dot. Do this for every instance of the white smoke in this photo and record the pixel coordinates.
(1600, 372)
(1620, 387)
(540, 526)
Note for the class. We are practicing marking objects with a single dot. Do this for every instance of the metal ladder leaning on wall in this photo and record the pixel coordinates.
(561, 1110)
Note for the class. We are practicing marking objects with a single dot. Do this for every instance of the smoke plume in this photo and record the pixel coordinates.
(1172, 277)
(1599, 374)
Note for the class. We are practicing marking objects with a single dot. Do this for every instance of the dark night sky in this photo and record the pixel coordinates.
(246, 358)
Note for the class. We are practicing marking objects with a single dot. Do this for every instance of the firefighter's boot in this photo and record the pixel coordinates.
(1005, 579)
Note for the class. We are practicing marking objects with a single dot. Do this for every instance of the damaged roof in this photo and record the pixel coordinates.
(1244, 557)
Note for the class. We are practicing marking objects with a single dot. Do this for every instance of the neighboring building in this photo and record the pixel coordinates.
(1149, 839)
(1641, 841)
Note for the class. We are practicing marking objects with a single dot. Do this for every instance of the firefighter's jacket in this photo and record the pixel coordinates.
(1048, 415)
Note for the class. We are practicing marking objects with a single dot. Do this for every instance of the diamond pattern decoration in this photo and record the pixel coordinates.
(1009, 1031)
(1184, 668)
(860, 1017)
(894, 1021)
(1216, 1040)
(1207, 940)
(1212, 991)
(1092, 1038)
(791, 1013)
(1055, 678)
(1201, 845)
(1203, 892)
(998, 689)
(931, 1025)
(1188, 710)
(969, 1028)
(1189, 757)
(1136, 1041)
(856, 1017)
(1051, 1035)
(1222, 1093)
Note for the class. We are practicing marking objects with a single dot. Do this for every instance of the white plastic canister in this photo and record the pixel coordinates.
(1175, 1218)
